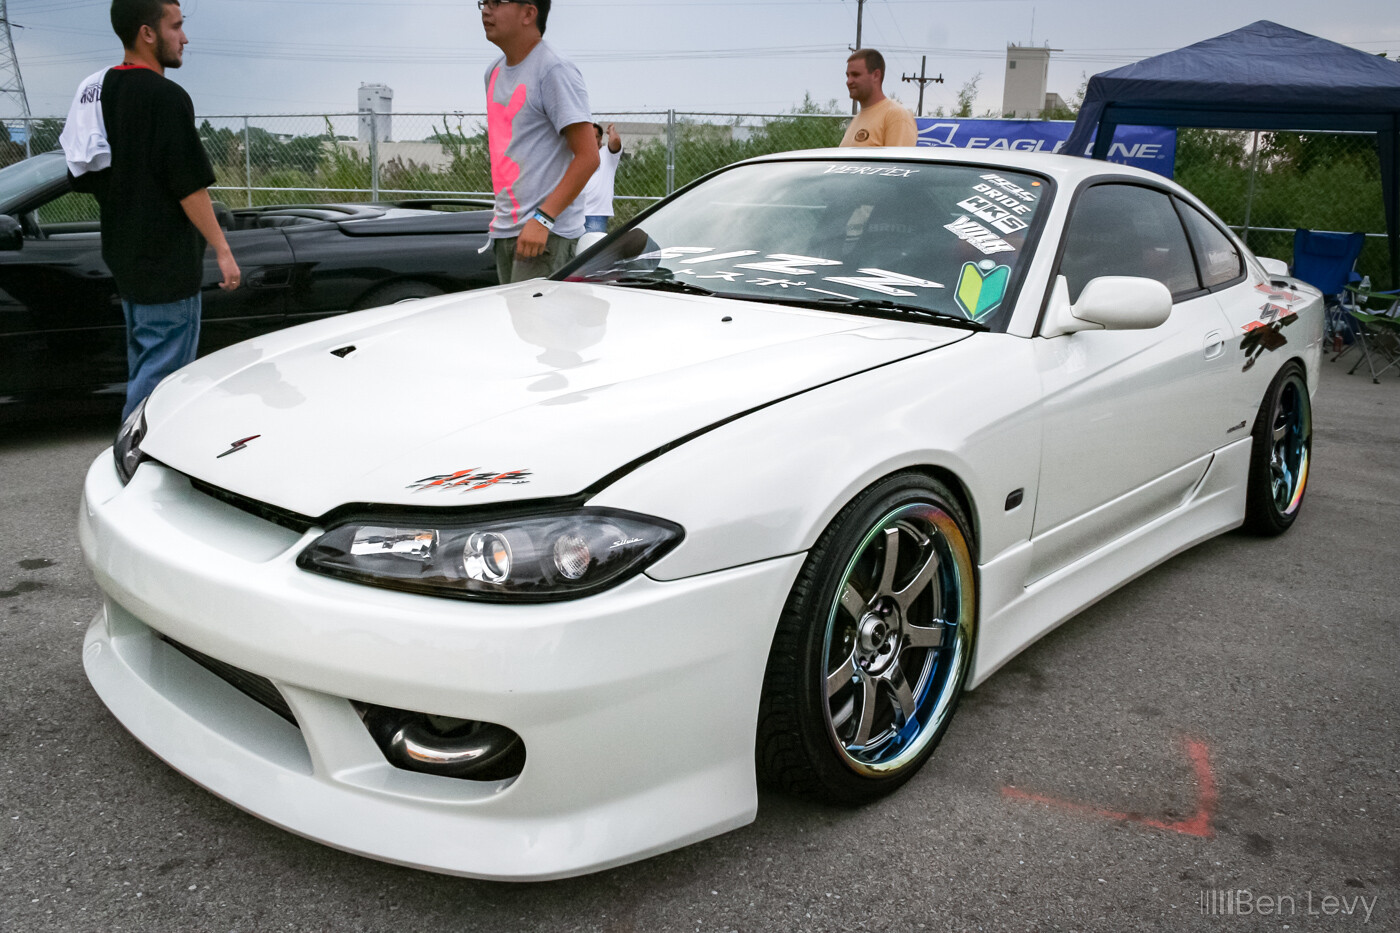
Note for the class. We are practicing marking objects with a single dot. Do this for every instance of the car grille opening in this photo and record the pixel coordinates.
(254, 686)
(284, 517)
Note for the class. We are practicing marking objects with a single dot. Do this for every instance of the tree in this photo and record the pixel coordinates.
(967, 96)
(43, 134)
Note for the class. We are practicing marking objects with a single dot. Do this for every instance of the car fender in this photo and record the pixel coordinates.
(767, 484)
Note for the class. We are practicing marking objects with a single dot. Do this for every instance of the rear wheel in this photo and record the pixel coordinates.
(1281, 454)
(873, 646)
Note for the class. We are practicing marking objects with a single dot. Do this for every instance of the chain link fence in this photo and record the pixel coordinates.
(1266, 184)
(1262, 184)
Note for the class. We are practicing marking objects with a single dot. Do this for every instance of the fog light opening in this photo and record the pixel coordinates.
(457, 748)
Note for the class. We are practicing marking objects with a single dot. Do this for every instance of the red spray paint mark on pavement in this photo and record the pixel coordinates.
(1199, 824)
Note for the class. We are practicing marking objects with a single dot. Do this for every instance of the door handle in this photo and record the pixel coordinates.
(274, 277)
(1215, 344)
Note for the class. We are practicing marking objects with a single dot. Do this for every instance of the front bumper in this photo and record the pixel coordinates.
(637, 707)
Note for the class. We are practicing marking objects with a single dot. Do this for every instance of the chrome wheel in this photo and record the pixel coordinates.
(873, 647)
(898, 638)
(1290, 442)
(1281, 454)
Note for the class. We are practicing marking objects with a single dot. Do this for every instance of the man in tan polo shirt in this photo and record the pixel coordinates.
(881, 121)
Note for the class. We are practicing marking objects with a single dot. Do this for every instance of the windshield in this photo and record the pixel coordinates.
(18, 180)
(944, 238)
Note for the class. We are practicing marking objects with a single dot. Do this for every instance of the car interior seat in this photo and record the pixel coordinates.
(223, 215)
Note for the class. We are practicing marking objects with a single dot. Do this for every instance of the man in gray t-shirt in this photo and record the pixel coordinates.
(540, 133)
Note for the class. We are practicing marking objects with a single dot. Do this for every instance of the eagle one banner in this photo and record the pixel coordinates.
(1149, 147)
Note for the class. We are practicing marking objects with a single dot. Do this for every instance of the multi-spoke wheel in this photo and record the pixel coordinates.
(1279, 458)
(873, 647)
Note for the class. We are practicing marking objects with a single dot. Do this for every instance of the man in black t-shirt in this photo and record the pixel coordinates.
(156, 211)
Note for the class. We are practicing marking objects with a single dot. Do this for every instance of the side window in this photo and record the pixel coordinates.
(1217, 257)
(71, 213)
(1126, 230)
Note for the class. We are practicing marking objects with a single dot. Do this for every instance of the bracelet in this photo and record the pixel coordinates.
(545, 220)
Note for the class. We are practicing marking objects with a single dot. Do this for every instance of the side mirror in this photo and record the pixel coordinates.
(1109, 302)
(11, 234)
(1273, 266)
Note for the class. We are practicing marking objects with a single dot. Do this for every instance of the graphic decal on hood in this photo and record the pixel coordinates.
(470, 480)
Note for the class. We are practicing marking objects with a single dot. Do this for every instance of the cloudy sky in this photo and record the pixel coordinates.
(756, 56)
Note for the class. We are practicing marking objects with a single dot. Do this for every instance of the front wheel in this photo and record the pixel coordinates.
(1281, 454)
(873, 646)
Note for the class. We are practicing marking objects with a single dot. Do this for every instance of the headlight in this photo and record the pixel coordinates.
(127, 447)
(535, 558)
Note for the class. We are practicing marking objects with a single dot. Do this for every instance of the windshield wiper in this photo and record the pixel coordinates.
(664, 285)
(897, 308)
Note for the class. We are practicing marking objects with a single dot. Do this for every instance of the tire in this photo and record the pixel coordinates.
(883, 614)
(395, 292)
(1281, 454)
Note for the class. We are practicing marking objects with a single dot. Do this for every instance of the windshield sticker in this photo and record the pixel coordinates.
(781, 283)
(787, 264)
(470, 480)
(1007, 185)
(978, 236)
(1002, 198)
(994, 214)
(736, 254)
(884, 282)
(674, 252)
(727, 276)
(981, 287)
(822, 291)
(871, 170)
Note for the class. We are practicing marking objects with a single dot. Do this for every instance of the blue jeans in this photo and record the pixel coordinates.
(159, 340)
(595, 223)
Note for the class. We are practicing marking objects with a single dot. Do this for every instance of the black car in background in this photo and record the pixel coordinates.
(62, 335)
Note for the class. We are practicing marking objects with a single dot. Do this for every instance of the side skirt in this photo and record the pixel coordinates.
(1015, 615)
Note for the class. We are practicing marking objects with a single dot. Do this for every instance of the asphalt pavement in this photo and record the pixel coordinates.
(1213, 747)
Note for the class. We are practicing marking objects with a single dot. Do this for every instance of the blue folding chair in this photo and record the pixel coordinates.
(1325, 261)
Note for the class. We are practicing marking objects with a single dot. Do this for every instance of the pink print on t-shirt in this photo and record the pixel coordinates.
(500, 119)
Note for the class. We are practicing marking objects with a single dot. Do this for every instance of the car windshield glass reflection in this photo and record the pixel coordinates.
(864, 235)
(19, 179)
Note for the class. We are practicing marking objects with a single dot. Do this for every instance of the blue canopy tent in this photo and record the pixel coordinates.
(1261, 77)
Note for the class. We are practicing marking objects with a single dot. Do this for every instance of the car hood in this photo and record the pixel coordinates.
(525, 391)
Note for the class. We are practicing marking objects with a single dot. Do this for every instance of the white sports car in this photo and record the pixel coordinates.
(545, 578)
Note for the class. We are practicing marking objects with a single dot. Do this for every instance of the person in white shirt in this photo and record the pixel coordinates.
(598, 193)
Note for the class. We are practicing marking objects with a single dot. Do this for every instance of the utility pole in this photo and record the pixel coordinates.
(922, 79)
(11, 84)
(860, 12)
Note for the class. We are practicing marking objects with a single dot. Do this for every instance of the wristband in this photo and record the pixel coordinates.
(544, 219)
